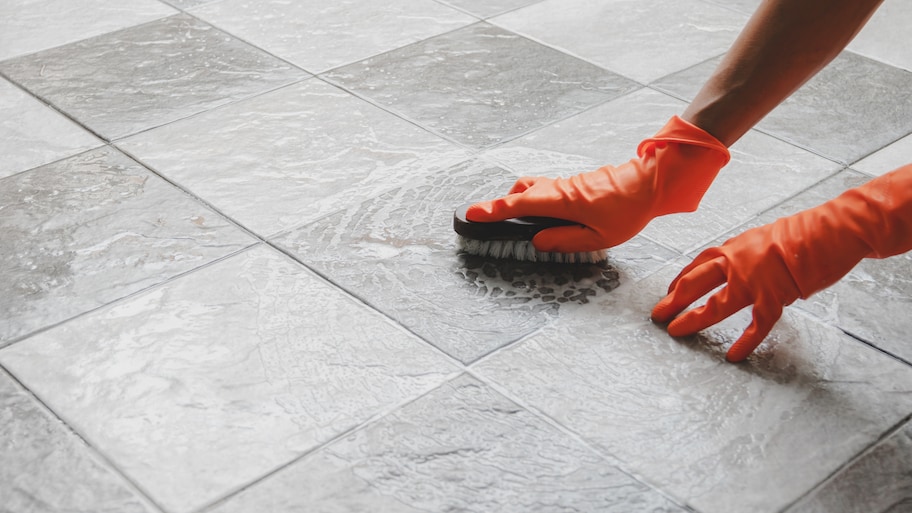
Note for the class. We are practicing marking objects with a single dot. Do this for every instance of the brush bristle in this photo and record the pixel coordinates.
(525, 251)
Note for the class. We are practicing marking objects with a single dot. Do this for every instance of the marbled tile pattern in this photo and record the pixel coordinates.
(202, 385)
(722, 437)
(46, 468)
(889, 158)
(879, 37)
(878, 482)
(138, 78)
(401, 246)
(855, 106)
(27, 26)
(486, 8)
(291, 156)
(93, 228)
(630, 37)
(481, 85)
(31, 134)
(297, 31)
(451, 451)
(188, 4)
(228, 278)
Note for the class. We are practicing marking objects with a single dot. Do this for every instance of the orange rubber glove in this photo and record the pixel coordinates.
(672, 172)
(771, 266)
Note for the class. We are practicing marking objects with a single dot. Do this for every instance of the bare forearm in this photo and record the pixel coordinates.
(784, 44)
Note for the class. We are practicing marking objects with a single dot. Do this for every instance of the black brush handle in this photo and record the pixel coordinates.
(518, 228)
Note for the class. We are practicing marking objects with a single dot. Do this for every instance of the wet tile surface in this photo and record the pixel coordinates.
(28, 26)
(209, 382)
(46, 468)
(641, 35)
(134, 79)
(486, 8)
(291, 156)
(855, 106)
(449, 451)
(878, 482)
(163, 364)
(31, 134)
(94, 228)
(322, 35)
(401, 245)
(481, 85)
(722, 437)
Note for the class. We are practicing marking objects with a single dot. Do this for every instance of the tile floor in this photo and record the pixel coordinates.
(229, 281)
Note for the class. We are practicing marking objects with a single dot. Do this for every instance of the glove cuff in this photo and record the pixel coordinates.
(679, 131)
(686, 160)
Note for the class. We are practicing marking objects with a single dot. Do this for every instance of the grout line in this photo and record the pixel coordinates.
(396, 113)
(367, 424)
(125, 298)
(94, 452)
(53, 107)
(896, 428)
(739, 228)
(591, 446)
(363, 301)
(866, 342)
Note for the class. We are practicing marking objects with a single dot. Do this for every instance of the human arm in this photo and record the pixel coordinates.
(782, 46)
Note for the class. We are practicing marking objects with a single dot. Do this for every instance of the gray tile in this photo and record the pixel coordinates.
(743, 6)
(763, 171)
(398, 252)
(209, 382)
(31, 134)
(630, 37)
(27, 26)
(487, 8)
(885, 36)
(291, 156)
(887, 159)
(853, 107)
(481, 85)
(127, 81)
(188, 4)
(47, 469)
(872, 301)
(94, 228)
(604, 135)
(750, 437)
(322, 35)
(878, 482)
(461, 448)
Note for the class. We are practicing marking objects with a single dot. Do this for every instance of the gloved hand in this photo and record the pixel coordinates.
(672, 172)
(771, 266)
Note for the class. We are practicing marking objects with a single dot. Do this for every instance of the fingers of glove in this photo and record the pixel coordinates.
(695, 281)
(525, 182)
(765, 316)
(568, 239)
(705, 256)
(493, 210)
(719, 306)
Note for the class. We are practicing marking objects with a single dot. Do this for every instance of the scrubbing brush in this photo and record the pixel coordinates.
(512, 239)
